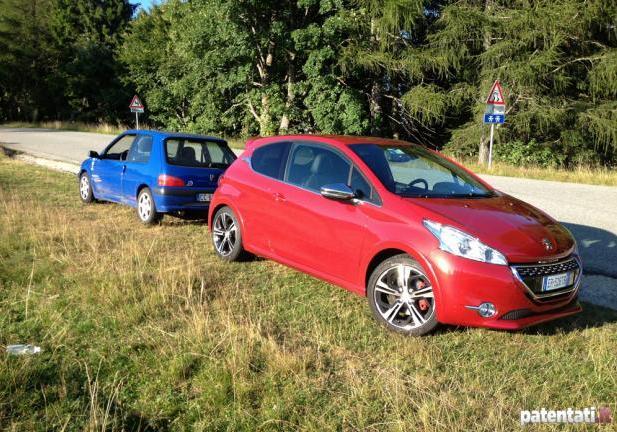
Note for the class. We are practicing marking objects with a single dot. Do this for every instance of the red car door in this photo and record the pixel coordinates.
(319, 234)
(260, 201)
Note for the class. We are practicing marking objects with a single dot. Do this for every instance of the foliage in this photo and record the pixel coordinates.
(416, 69)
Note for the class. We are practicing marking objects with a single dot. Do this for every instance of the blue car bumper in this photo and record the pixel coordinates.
(178, 199)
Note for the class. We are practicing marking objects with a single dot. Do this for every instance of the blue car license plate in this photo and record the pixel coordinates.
(558, 281)
(204, 197)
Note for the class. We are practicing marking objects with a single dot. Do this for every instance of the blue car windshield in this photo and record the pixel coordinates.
(412, 171)
(192, 152)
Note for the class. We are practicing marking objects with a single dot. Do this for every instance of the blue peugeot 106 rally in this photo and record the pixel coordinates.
(156, 173)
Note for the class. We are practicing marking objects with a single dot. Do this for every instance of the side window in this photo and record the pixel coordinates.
(270, 160)
(120, 149)
(141, 149)
(312, 167)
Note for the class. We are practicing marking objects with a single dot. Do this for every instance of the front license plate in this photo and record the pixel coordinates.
(558, 281)
(204, 197)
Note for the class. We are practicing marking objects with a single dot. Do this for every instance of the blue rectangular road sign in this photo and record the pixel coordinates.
(494, 118)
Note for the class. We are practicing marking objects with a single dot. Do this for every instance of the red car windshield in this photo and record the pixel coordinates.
(412, 171)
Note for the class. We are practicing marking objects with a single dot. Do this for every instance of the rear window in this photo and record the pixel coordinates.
(191, 152)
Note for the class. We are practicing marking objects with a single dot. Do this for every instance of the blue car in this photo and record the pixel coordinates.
(156, 173)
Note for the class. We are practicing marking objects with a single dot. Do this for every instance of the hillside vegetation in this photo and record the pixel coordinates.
(416, 69)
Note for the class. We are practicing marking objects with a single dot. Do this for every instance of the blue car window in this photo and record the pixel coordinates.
(192, 152)
(120, 149)
(141, 149)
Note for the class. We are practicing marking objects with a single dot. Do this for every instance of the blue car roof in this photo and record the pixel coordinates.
(165, 135)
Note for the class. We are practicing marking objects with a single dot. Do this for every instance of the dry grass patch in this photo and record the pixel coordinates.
(145, 329)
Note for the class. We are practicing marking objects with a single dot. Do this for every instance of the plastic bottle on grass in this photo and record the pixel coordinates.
(22, 349)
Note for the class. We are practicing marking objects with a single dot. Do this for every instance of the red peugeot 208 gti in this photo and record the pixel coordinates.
(424, 239)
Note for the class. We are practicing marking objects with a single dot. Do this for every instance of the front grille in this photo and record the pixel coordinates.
(524, 313)
(547, 269)
(531, 275)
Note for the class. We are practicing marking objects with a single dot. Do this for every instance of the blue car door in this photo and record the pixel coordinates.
(139, 168)
(109, 168)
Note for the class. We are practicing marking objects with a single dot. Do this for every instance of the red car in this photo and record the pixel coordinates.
(424, 239)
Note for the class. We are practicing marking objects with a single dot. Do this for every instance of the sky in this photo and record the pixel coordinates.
(144, 3)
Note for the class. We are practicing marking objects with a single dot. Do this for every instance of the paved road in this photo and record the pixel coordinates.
(590, 212)
(54, 144)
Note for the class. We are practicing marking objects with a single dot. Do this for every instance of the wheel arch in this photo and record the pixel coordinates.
(378, 259)
(141, 187)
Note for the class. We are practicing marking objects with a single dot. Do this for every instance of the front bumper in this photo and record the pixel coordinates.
(180, 199)
(462, 283)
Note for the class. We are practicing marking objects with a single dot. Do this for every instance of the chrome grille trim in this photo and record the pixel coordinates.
(523, 271)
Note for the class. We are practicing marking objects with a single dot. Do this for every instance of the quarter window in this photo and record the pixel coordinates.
(270, 159)
(360, 186)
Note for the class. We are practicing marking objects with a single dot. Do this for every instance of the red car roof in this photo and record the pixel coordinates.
(331, 139)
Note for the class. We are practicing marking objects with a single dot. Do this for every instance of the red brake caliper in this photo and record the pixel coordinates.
(423, 304)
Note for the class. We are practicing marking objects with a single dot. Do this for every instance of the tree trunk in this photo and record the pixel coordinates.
(291, 96)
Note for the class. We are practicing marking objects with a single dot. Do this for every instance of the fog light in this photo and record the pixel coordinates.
(485, 310)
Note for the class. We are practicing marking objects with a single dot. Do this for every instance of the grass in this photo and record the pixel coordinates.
(145, 329)
(581, 174)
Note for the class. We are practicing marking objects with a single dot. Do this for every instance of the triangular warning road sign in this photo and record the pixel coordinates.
(136, 103)
(495, 97)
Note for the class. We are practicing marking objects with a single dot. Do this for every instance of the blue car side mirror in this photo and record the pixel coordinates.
(93, 154)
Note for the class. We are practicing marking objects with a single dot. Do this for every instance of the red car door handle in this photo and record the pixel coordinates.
(279, 197)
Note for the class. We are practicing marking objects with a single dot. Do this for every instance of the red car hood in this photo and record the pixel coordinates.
(518, 230)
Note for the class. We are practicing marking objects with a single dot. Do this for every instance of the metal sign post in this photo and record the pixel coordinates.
(495, 114)
(490, 146)
(137, 107)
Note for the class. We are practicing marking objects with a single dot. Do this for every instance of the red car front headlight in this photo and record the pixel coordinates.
(459, 243)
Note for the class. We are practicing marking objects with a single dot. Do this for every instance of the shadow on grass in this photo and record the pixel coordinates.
(592, 316)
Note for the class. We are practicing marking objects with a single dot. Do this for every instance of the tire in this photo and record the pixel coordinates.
(146, 208)
(85, 188)
(226, 236)
(404, 304)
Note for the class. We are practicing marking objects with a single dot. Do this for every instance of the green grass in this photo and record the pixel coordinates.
(145, 329)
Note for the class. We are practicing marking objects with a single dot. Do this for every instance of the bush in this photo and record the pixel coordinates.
(532, 153)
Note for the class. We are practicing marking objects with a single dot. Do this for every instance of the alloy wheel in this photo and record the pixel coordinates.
(225, 234)
(404, 297)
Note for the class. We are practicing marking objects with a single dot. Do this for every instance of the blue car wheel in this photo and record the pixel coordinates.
(85, 188)
(146, 208)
